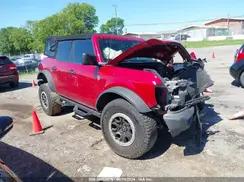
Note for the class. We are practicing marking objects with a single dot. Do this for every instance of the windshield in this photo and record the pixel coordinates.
(111, 48)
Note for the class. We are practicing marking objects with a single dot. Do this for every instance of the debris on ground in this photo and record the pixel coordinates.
(238, 115)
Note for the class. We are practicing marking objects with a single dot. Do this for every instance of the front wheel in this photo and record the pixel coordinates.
(129, 133)
(241, 79)
(49, 100)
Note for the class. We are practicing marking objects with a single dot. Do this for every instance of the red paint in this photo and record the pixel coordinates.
(90, 81)
(8, 70)
(240, 54)
(193, 56)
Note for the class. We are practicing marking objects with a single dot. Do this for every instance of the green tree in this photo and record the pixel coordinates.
(21, 39)
(76, 18)
(114, 26)
(6, 44)
(14, 40)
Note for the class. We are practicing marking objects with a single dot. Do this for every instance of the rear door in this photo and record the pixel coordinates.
(62, 68)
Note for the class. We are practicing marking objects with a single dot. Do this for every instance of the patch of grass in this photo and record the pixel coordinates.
(27, 75)
(207, 43)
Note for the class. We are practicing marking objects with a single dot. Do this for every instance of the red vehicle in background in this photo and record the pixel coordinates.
(237, 68)
(134, 86)
(8, 72)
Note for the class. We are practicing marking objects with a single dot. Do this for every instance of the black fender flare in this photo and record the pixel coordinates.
(128, 95)
(240, 67)
(49, 80)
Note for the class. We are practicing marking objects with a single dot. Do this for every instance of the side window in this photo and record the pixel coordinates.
(64, 51)
(50, 48)
(80, 47)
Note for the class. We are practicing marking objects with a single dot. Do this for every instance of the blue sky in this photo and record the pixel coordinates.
(17, 12)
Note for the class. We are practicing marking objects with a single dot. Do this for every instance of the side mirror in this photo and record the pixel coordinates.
(193, 56)
(89, 59)
(6, 123)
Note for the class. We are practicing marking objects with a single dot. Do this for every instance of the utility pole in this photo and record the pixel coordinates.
(228, 24)
(116, 16)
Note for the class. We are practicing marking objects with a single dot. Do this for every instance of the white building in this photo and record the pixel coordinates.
(199, 33)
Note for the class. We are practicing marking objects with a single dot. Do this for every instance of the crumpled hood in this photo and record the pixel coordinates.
(154, 48)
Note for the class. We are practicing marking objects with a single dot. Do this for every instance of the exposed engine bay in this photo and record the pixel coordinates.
(185, 83)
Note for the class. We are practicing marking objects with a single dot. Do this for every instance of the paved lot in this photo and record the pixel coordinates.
(75, 148)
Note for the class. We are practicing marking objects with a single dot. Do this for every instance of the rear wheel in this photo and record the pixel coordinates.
(49, 100)
(241, 79)
(129, 133)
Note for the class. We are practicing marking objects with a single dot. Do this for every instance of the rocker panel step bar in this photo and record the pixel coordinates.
(82, 110)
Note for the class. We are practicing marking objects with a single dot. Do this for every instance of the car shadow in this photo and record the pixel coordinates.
(187, 138)
(7, 88)
(28, 167)
(235, 83)
(66, 110)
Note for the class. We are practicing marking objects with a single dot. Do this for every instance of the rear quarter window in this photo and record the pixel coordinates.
(50, 48)
(4, 60)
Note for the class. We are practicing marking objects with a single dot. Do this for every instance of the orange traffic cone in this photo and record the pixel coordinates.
(213, 55)
(36, 125)
(34, 83)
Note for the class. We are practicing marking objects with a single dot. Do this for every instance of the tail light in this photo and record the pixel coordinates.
(12, 67)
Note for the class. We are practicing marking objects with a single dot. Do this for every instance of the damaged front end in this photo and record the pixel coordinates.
(183, 105)
(179, 97)
(185, 98)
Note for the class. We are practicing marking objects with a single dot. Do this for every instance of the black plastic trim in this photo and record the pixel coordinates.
(128, 95)
(50, 81)
(236, 69)
(88, 110)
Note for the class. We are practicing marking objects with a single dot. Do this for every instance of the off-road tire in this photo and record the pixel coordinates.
(241, 79)
(145, 129)
(53, 106)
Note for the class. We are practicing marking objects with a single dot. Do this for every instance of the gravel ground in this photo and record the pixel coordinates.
(76, 148)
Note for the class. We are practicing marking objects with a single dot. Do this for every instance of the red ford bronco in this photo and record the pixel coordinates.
(134, 86)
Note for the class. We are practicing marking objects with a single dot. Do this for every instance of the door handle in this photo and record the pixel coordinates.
(72, 72)
(54, 68)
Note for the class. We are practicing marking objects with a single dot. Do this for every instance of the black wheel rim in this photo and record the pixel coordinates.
(122, 129)
(44, 100)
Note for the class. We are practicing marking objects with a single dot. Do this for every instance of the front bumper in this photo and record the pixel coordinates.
(179, 121)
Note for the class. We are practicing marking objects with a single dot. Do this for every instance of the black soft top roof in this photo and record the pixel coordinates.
(70, 37)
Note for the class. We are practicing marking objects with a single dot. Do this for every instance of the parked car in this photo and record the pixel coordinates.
(237, 68)
(8, 72)
(180, 37)
(131, 84)
(6, 174)
(27, 62)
